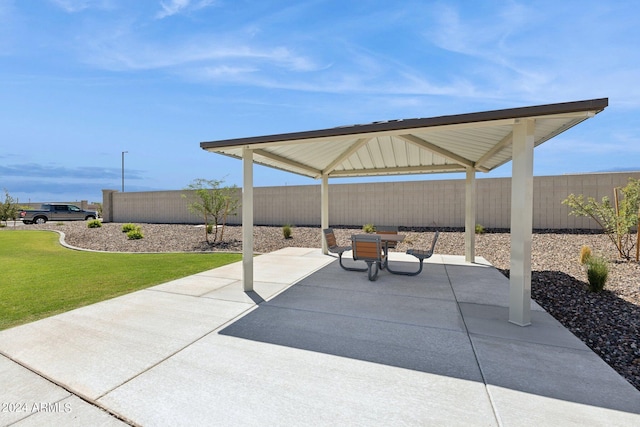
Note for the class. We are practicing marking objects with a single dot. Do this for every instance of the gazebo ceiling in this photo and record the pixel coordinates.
(481, 141)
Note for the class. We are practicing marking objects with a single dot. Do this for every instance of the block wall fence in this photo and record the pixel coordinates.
(428, 203)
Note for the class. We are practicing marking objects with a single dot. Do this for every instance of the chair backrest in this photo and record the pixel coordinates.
(366, 247)
(330, 237)
(388, 230)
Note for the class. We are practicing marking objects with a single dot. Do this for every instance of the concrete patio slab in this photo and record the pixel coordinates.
(559, 373)
(397, 308)
(547, 411)
(241, 382)
(270, 268)
(434, 350)
(491, 320)
(480, 284)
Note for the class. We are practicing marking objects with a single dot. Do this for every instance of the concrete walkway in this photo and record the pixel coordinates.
(334, 349)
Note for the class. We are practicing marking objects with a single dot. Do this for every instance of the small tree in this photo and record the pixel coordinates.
(8, 208)
(214, 203)
(616, 221)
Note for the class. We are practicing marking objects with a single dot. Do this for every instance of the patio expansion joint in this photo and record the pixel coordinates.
(494, 407)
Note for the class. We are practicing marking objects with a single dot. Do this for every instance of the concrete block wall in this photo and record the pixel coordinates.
(415, 203)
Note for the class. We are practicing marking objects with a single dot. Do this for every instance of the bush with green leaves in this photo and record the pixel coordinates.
(128, 227)
(94, 223)
(135, 234)
(597, 273)
(8, 209)
(616, 221)
(479, 229)
(369, 228)
(286, 231)
(212, 201)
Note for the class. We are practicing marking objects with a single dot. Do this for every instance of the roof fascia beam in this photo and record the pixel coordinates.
(316, 172)
(438, 150)
(346, 154)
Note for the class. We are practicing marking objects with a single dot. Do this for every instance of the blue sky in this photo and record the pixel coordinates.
(83, 80)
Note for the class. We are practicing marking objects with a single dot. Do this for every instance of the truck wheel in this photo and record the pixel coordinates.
(40, 220)
(89, 217)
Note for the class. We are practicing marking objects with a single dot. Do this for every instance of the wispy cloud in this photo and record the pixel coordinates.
(120, 50)
(522, 52)
(173, 7)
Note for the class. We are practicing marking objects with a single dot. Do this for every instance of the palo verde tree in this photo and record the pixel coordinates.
(212, 202)
(617, 220)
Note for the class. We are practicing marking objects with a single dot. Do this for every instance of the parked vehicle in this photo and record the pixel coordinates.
(56, 212)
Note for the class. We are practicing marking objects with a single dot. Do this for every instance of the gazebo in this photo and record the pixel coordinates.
(466, 143)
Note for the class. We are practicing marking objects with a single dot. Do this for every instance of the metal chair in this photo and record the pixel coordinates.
(421, 255)
(333, 247)
(368, 248)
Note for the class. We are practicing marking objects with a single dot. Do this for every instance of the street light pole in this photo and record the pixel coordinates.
(123, 170)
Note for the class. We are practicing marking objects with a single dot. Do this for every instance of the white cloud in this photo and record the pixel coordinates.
(171, 8)
(174, 7)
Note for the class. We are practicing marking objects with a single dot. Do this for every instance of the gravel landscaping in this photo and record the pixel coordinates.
(608, 322)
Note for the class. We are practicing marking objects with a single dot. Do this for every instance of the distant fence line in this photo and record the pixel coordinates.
(411, 204)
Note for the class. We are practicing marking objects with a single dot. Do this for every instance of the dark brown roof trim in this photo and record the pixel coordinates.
(596, 105)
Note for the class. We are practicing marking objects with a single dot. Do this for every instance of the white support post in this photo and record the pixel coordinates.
(324, 212)
(521, 222)
(470, 216)
(247, 219)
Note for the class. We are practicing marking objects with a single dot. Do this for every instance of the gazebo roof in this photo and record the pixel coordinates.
(481, 141)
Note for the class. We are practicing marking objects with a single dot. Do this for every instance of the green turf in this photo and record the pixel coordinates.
(40, 278)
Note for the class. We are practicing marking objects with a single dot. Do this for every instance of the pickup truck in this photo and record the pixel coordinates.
(56, 212)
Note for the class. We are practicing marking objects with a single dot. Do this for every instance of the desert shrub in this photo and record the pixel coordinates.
(211, 201)
(209, 228)
(597, 273)
(135, 234)
(369, 228)
(286, 231)
(585, 254)
(617, 219)
(94, 223)
(479, 229)
(8, 209)
(128, 227)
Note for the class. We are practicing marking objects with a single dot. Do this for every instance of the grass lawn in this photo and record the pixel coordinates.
(40, 278)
